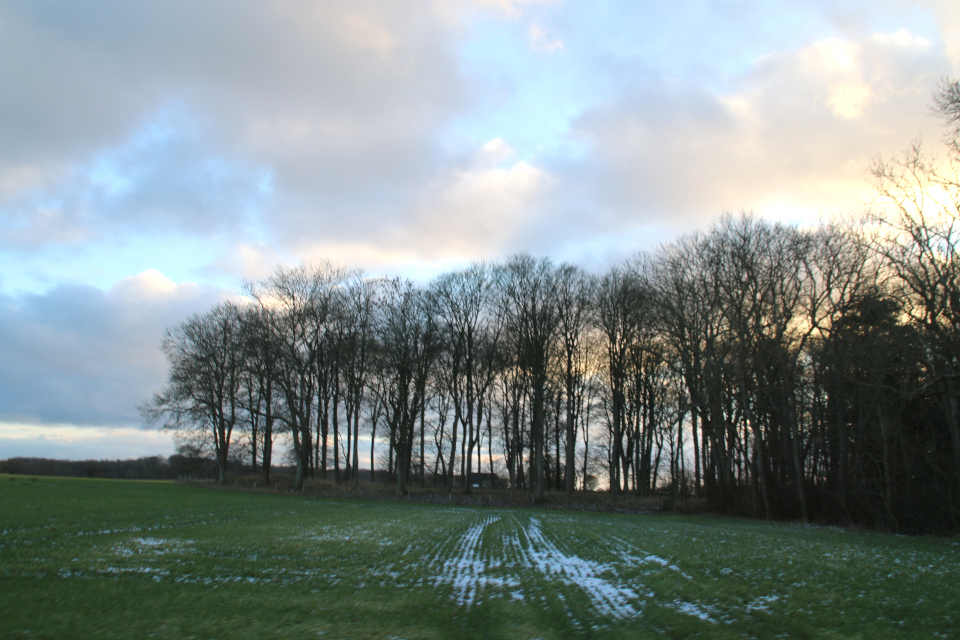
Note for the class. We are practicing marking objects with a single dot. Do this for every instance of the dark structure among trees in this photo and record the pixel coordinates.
(779, 372)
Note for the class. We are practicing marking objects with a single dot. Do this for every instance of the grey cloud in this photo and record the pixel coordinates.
(79, 355)
(161, 177)
(339, 100)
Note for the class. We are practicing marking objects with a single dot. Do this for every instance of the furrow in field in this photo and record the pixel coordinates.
(433, 555)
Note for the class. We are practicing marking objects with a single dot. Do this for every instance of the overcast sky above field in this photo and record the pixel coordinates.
(155, 154)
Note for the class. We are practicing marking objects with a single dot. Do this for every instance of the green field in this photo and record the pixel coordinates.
(126, 559)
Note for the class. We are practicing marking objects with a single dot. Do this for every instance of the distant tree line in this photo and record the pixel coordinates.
(150, 468)
(188, 463)
(777, 371)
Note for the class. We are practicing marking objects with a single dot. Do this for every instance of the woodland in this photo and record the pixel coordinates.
(776, 371)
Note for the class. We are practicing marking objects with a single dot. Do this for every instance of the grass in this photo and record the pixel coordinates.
(124, 559)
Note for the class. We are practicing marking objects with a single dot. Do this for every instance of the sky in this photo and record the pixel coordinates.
(155, 155)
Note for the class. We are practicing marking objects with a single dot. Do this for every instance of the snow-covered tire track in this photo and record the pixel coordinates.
(544, 556)
(468, 571)
(632, 555)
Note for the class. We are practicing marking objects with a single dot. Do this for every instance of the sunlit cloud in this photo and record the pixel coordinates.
(512, 8)
(542, 43)
(836, 64)
(848, 100)
(472, 212)
(153, 285)
(476, 212)
(902, 38)
(796, 136)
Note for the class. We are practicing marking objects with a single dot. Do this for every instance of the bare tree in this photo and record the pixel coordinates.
(355, 328)
(619, 303)
(469, 319)
(533, 317)
(918, 211)
(946, 104)
(205, 354)
(298, 304)
(576, 293)
(407, 349)
(257, 396)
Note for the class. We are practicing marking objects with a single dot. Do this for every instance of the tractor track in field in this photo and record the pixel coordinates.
(488, 565)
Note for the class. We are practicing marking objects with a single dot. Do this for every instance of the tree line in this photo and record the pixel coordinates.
(149, 468)
(777, 371)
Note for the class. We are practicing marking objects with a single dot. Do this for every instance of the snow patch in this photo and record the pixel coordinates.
(761, 604)
(467, 571)
(690, 609)
(630, 559)
(152, 546)
(607, 597)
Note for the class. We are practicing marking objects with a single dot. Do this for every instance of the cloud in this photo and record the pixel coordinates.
(542, 43)
(836, 65)
(70, 442)
(476, 210)
(151, 287)
(83, 356)
(255, 260)
(161, 177)
(511, 8)
(799, 127)
(947, 16)
(296, 128)
(133, 115)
